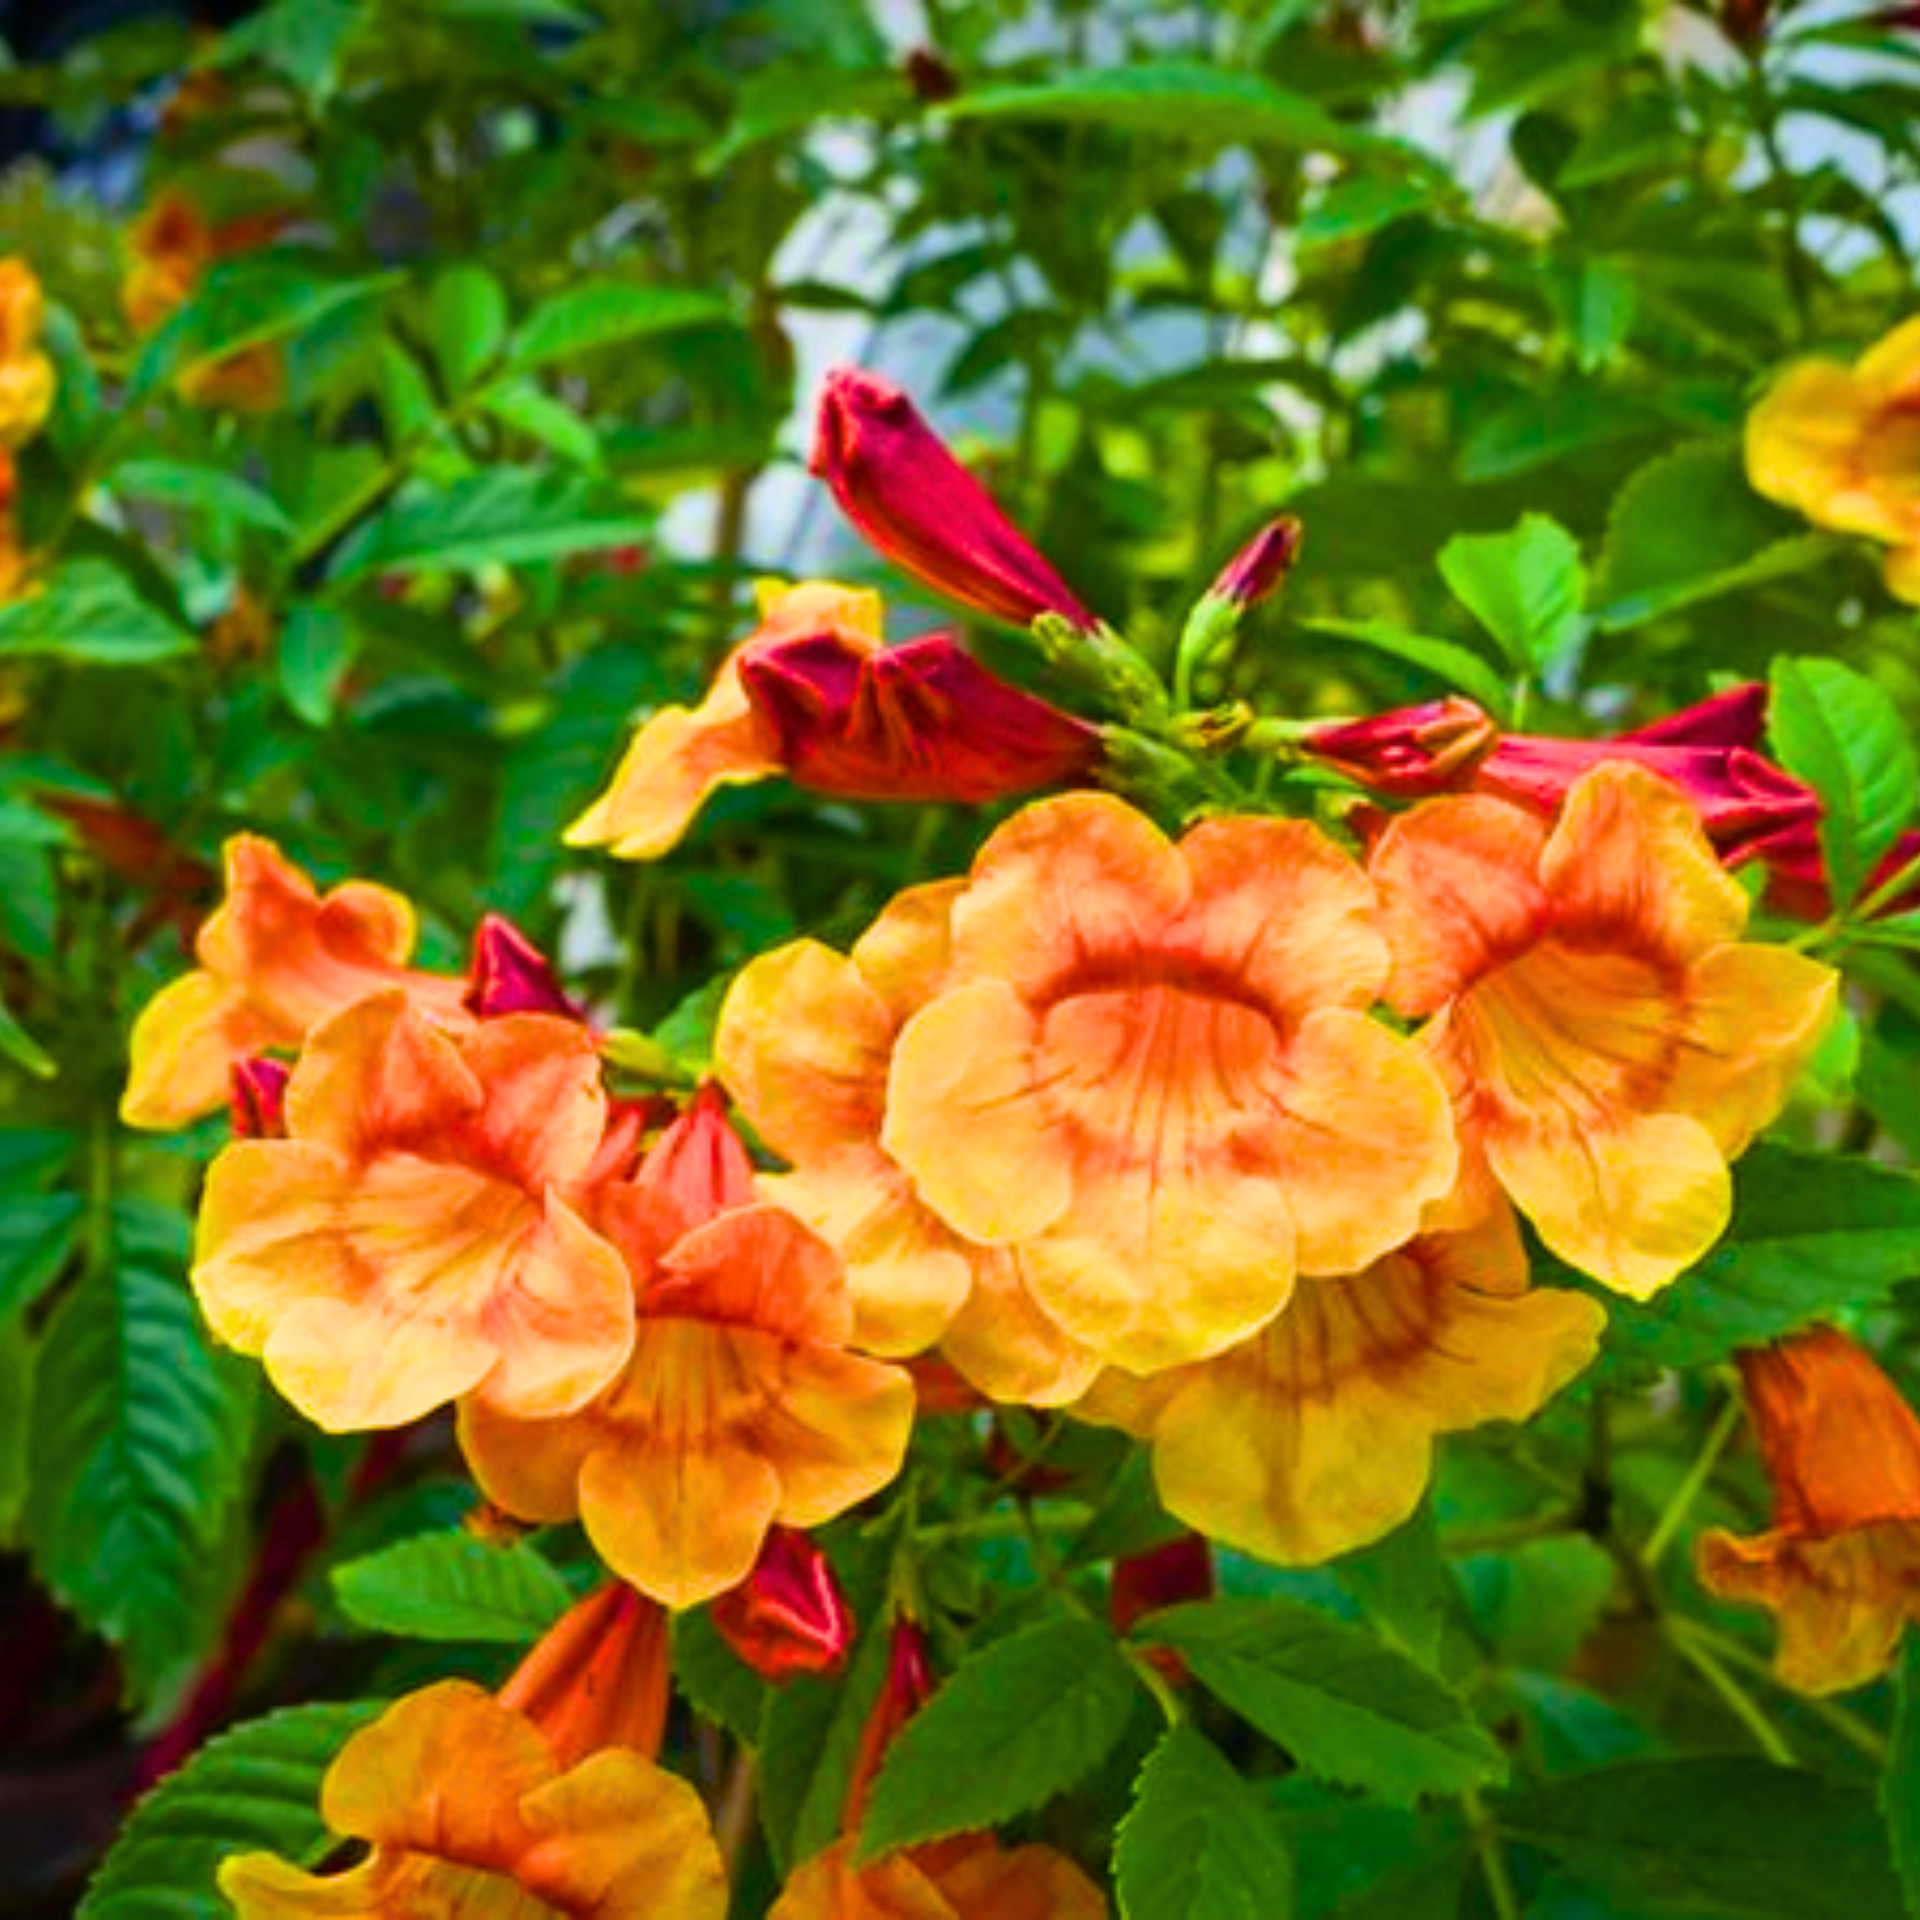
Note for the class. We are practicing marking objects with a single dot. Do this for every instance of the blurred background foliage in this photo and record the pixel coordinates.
(465, 394)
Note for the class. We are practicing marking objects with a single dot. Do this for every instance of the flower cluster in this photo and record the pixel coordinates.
(440, 1202)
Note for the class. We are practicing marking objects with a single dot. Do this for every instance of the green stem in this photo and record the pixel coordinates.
(1492, 1853)
(1705, 1661)
(1725, 1426)
(1850, 1727)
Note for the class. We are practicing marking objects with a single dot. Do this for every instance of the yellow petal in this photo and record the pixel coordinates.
(674, 762)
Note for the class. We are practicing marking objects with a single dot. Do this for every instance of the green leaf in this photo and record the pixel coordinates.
(603, 313)
(1525, 586)
(1836, 730)
(1900, 1784)
(89, 611)
(138, 1444)
(37, 1236)
(1686, 528)
(317, 649)
(1596, 301)
(1198, 1844)
(249, 302)
(1358, 206)
(1342, 1702)
(1455, 667)
(19, 1351)
(450, 1586)
(1714, 1835)
(301, 38)
(808, 1739)
(717, 1683)
(1020, 1720)
(467, 320)
(507, 517)
(200, 490)
(1172, 98)
(256, 1788)
(22, 1048)
(523, 406)
(1811, 1233)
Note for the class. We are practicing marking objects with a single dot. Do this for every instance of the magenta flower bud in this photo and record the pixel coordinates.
(509, 974)
(896, 481)
(1412, 751)
(259, 1098)
(1260, 565)
(788, 1616)
(920, 721)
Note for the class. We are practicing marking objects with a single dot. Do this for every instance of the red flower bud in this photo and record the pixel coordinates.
(259, 1101)
(906, 1689)
(1413, 751)
(699, 1165)
(509, 974)
(1162, 1576)
(920, 721)
(1260, 565)
(896, 481)
(788, 1616)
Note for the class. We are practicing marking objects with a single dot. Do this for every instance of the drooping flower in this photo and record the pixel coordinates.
(896, 481)
(1840, 1566)
(598, 1677)
(1316, 1436)
(275, 960)
(468, 1810)
(804, 1043)
(411, 1238)
(26, 374)
(1150, 1069)
(814, 694)
(740, 1407)
(1842, 446)
(1610, 1043)
(788, 1616)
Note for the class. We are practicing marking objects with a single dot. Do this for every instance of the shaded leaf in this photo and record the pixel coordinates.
(1198, 1844)
(200, 490)
(317, 649)
(89, 611)
(1687, 527)
(602, 313)
(37, 1236)
(1714, 1835)
(1172, 98)
(1342, 1702)
(1900, 1784)
(506, 517)
(255, 1788)
(1020, 1721)
(138, 1442)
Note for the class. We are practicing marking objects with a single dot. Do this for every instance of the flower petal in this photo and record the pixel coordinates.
(965, 1119)
(1629, 862)
(1458, 895)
